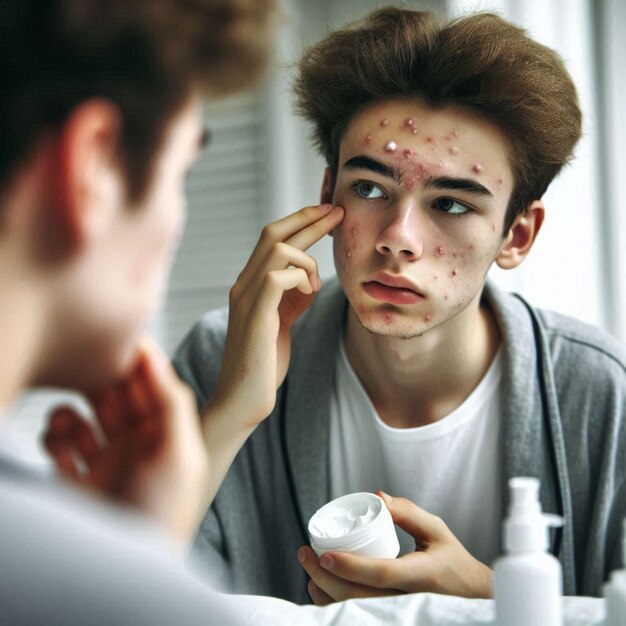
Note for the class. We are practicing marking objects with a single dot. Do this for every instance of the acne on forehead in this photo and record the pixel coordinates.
(424, 158)
(423, 143)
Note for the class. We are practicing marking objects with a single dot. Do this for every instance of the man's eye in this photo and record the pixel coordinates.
(369, 191)
(451, 207)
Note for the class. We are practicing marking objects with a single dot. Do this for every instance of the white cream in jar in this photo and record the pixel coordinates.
(359, 523)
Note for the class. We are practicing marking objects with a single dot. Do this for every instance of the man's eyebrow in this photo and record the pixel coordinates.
(365, 163)
(457, 184)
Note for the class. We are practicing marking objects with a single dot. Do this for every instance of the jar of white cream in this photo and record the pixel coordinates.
(359, 523)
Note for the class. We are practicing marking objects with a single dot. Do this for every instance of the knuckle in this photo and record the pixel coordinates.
(309, 212)
(271, 279)
(267, 233)
(233, 294)
(280, 249)
(439, 524)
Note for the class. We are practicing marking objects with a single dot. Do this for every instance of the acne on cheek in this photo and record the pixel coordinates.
(348, 236)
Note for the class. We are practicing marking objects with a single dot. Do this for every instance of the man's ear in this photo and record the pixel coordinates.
(326, 195)
(521, 236)
(87, 176)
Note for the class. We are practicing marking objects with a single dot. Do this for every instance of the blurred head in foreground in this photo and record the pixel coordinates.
(99, 122)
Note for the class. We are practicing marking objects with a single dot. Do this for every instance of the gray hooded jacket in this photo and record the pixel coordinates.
(564, 421)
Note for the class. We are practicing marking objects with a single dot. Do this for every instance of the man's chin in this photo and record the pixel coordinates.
(394, 329)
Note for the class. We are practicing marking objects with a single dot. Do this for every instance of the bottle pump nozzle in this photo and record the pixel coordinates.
(526, 527)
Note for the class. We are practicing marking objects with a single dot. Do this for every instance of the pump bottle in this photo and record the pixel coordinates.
(615, 592)
(527, 579)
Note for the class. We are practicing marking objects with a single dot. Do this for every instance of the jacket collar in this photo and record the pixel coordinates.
(311, 381)
(533, 441)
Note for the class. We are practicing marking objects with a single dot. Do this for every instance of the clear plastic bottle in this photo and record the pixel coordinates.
(615, 591)
(528, 581)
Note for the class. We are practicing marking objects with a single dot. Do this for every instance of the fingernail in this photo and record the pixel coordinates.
(327, 561)
(309, 587)
(302, 555)
(326, 207)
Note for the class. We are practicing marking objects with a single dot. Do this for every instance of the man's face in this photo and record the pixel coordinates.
(425, 193)
(121, 274)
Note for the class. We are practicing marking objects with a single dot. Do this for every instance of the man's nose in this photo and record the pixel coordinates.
(401, 236)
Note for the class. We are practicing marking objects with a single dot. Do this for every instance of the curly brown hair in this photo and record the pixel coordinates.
(481, 62)
(144, 55)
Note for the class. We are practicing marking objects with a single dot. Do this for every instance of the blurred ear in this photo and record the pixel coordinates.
(521, 236)
(88, 174)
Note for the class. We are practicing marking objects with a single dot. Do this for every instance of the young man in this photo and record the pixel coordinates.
(99, 119)
(413, 375)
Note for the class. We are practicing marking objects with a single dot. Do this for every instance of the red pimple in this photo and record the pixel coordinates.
(388, 318)
(477, 168)
(471, 246)
(428, 317)
(454, 273)
(368, 138)
(408, 153)
(391, 146)
(453, 150)
(410, 122)
(414, 131)
(439, 251)
(384, 122)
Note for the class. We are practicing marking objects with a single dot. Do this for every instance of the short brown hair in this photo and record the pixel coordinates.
(144, 55)
(480, 62)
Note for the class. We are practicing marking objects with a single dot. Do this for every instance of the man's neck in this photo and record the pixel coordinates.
(20, 341)
(413, 382)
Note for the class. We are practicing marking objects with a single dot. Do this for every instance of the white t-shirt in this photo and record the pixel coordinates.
(451, 468)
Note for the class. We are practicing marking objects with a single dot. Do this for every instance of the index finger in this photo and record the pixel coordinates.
(307, 236)
(423, 526)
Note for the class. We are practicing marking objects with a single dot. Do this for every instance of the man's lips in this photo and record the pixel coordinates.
(394, 294)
